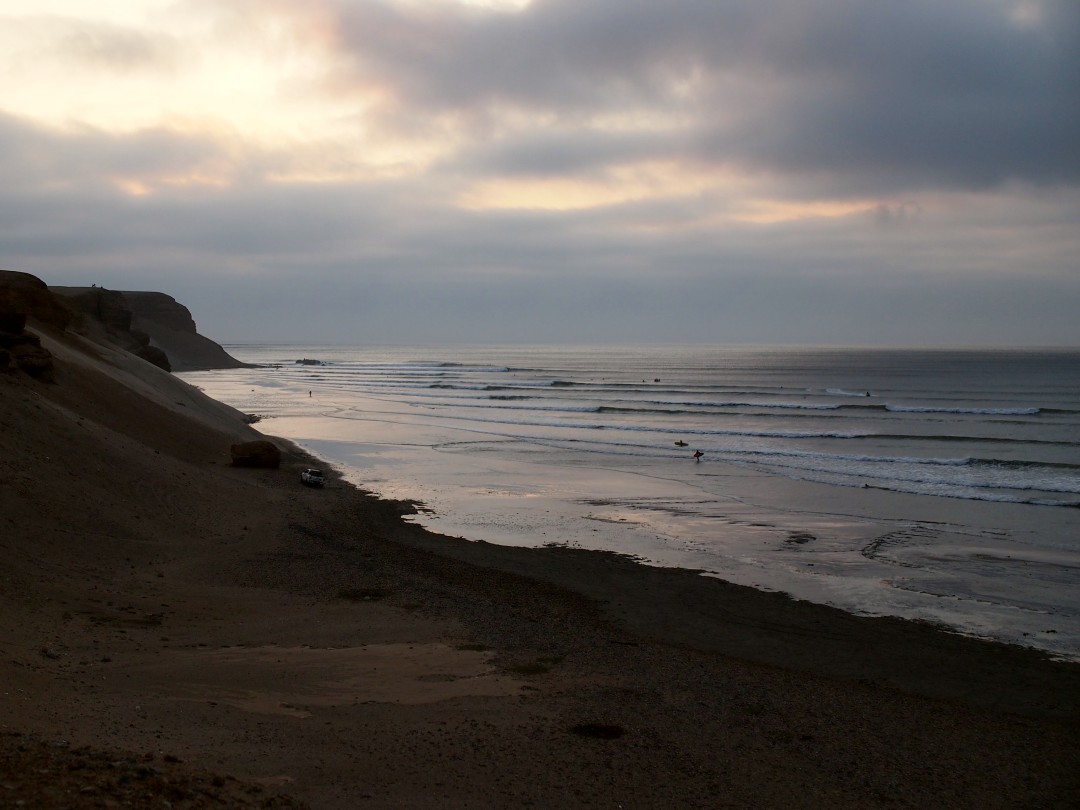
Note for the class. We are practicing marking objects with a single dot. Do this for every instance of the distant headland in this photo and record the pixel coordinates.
(151, 325)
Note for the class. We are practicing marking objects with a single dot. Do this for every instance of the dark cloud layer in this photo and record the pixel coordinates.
(965, 94)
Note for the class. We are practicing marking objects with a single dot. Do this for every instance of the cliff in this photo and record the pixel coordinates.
(151, 325)
(63, 334)
(23, 296)
(171, 327)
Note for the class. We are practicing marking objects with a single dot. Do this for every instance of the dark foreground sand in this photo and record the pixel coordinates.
(178, 632)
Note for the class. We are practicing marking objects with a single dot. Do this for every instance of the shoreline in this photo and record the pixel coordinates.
(787, 511)
(688, 609)
(988, 569)
(313, 644)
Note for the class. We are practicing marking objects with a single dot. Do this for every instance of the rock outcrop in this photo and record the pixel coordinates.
(151, 325)
(22, 351)
(29, 295)
(171, 328)
(24, 297)
(107, 311)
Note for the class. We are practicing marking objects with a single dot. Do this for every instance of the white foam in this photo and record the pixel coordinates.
(957, 410)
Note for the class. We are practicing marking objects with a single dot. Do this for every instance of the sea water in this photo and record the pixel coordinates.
(936, 485)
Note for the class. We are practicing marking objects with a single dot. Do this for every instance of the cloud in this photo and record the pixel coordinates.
(821, 170)
(872, 98)
(34, 41)
(560, 153)
(114, 48)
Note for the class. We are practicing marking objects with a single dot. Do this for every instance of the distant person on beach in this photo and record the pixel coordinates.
(697, 455)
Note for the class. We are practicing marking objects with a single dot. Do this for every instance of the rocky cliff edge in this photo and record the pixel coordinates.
(152, 325)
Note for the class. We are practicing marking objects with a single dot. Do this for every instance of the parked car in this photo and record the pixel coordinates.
(312, 477)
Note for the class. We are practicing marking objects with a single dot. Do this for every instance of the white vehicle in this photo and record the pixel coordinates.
(312, 477)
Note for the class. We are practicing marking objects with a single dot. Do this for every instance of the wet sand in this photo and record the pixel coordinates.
(176, 628)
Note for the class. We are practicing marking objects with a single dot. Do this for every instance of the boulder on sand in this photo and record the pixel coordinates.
(256, 454)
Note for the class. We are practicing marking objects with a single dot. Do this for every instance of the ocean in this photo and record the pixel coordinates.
(940, 485)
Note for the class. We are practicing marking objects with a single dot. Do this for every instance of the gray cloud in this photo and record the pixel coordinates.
(878, 96)
(568, 153)
(85, 155)
(89, 45)
(115, 48)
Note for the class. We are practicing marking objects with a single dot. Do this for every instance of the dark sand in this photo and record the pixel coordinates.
(173, 629)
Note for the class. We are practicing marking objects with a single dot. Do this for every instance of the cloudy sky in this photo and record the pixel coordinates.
(785, 171)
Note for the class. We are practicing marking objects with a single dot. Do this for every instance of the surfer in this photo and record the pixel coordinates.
(680, 443)
(697, 455)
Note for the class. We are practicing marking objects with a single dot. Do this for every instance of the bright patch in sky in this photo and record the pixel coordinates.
(135, 66)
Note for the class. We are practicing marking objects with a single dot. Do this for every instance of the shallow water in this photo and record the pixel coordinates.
(935, 485)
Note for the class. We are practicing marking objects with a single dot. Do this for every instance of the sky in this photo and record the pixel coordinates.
(548, 171)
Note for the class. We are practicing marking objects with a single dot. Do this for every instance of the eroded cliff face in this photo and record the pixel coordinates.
(29, 295)
(171, 328)
(152, 325)
(24, 297)
(162, 310)
(108, 312)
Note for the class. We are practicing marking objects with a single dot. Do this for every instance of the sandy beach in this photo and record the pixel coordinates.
(180, 632)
